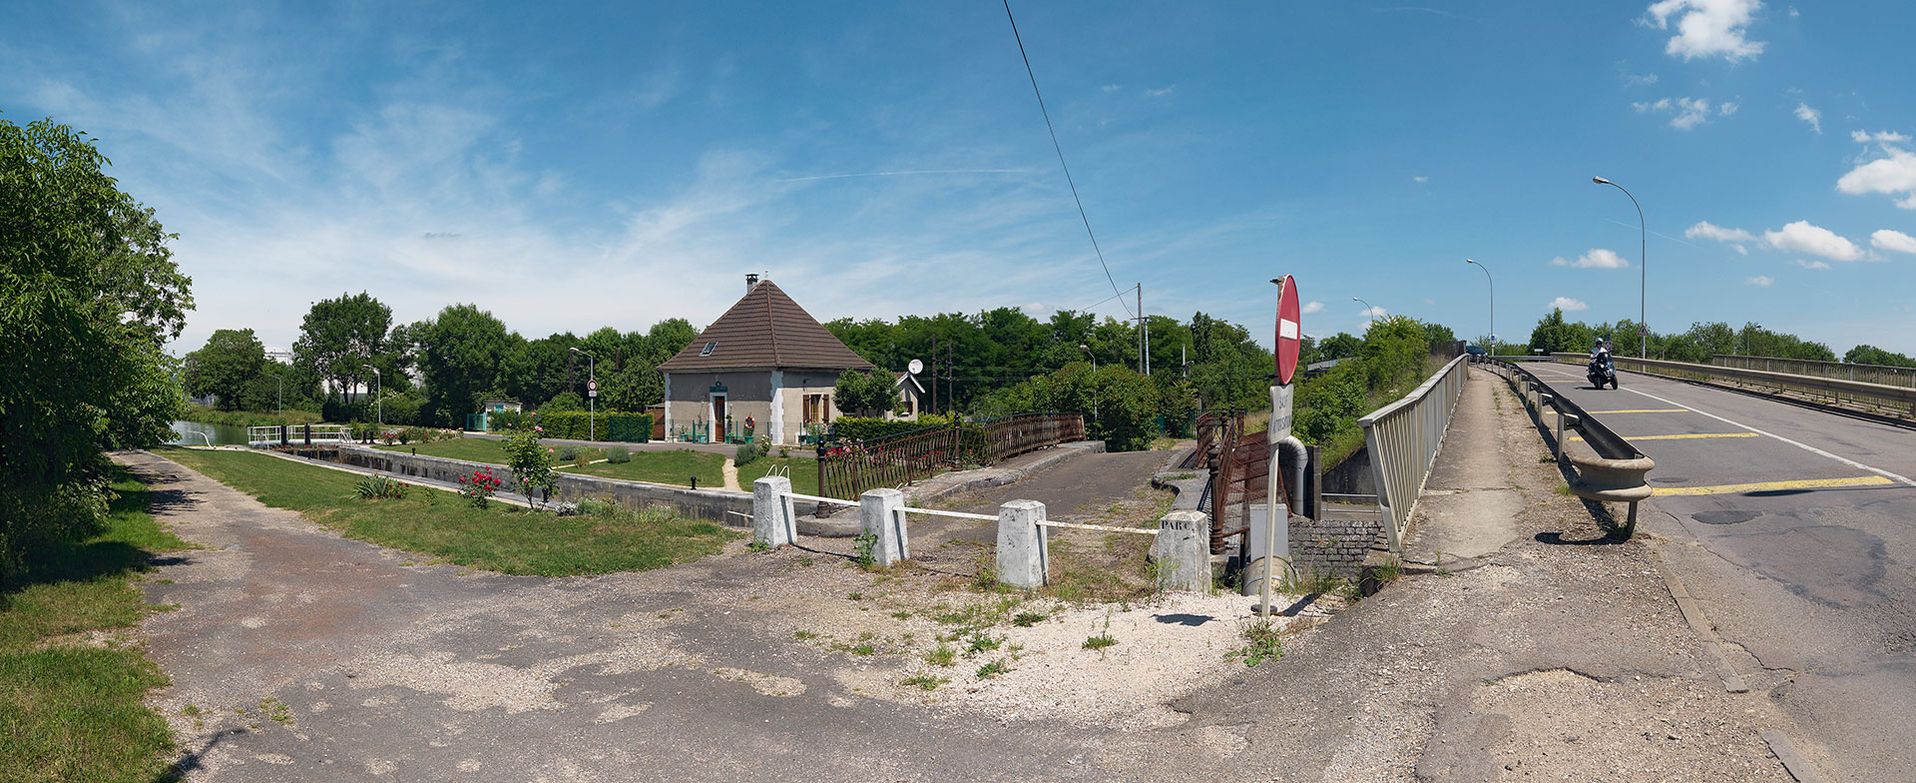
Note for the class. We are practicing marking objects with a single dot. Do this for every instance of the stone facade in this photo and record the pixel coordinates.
(1332, 547)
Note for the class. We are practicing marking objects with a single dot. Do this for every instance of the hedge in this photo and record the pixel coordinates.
(580, 425)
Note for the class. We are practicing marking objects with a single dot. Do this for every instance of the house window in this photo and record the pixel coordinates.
(818, 409)
(709, 348)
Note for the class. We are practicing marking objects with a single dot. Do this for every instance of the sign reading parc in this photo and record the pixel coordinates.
(1290, 330)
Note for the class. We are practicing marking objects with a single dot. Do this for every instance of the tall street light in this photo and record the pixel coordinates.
(1493, 303)
(591, 394)
(1094, 379)
(1643, 266)
(1369, 311)
(379, 403)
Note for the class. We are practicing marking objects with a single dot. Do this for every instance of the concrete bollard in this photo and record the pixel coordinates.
(1023, 545)
(773, 523)
(1182, 552)
(881, 513)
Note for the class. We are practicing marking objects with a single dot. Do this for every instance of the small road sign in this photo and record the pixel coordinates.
(1290, 330)
(592, 388)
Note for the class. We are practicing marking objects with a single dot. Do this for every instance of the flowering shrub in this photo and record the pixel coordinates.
(479, 486)
(531, 464)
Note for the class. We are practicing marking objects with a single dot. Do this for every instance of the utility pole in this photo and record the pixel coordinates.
(934, 374)
(1142, 367)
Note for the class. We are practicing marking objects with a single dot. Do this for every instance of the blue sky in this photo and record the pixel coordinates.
(572, 166)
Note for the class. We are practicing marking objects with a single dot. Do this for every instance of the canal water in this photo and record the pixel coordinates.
(193, 433)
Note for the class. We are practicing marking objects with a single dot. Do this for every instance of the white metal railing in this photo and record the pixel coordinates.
(270, 435)
(1403, 439)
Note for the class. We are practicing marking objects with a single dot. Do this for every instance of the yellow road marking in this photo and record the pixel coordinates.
(1686, 436)
(1641, 410)
(1765, 486)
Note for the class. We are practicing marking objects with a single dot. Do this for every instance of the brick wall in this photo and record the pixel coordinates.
(1332, 547)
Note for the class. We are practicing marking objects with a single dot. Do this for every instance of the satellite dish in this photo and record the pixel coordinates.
(915, 367)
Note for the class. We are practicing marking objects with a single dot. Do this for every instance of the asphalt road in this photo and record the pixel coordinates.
(1792, 526)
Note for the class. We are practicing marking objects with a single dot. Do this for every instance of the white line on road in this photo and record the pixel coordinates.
(1904, 480)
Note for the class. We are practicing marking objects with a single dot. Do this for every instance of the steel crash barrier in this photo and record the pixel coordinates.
(1878, 399)
(1403, 439)
(1613, 472)
(1023, 550)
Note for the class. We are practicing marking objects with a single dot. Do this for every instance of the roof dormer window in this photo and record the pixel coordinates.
(709, 348)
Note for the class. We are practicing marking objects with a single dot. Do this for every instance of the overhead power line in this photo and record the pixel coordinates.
(1061, 164)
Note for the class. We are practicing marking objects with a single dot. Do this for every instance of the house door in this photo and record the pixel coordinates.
(718, 418)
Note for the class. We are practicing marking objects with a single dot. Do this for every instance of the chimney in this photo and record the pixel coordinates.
(751, 279)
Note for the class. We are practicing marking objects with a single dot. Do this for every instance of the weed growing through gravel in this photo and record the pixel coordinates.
(276, 710)
(982, 642)
(862, 547)
(1103, 638)
(804, 635)
(993, 669)
(758, 545)
(1262, 642)
(942, 655)
(1027, 619)
(925, 682)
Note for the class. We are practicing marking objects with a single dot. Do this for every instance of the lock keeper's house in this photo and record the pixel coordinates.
(765, 362)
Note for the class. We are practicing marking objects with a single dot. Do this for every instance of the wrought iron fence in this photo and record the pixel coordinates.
(846, 470)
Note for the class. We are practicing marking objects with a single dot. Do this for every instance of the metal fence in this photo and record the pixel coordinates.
(1864, 373)
(1403, 439)
(845, 471)
(302, 434)
(1896, 402)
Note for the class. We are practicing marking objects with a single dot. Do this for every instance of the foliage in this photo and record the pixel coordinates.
(617, 456)
(567, 401)
(460, 354)
(579, 425)
(567, 453)
(744, 454)
(856, 429)
(205, 415)
(531, 465)
(864, 393)
(380, 487)
(862, 550)
(479, 487)
(1870, 354)
(339, 337)
(225, 368)
(1120, 404)
(1263, 641)
(1700, 342)
(88, 295)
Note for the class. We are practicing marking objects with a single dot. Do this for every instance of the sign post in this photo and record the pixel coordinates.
(1290, 337)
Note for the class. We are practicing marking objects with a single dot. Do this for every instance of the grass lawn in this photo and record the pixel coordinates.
(508, 539)
(473, 449)
(663, 467)
(804, 473)
(70, 699)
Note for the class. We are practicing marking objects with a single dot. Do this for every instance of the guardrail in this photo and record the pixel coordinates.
(1876, 399)
(1615, 471)
(1403, 439)
(1884, 374)
(300, 434)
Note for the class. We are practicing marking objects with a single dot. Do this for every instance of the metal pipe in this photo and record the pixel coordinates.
(1643, 270)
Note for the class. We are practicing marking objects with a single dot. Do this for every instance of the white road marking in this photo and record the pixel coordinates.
(1904, 480)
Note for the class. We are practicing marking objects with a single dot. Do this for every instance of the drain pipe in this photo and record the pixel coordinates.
(1300, 459)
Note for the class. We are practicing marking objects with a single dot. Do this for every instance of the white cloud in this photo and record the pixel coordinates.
(1704, 229)
(1811, 116)
(1567, 304)
(1159, 92)
(1807, 264)
(1805, 237)
(1896, 241)
(1639, 80)
(1597, 258)
(1760, 281)
(1312, 307)
(1420, 179)
(1706, 28)
(1690, 112)
(1892, 174)
(1373, 312)
(1110, 88)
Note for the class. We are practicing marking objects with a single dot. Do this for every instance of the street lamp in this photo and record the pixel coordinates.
(591, 394)
(1643, 272)
(1493, 303)
(1094, 379)
(1368, 310)
(379, 403)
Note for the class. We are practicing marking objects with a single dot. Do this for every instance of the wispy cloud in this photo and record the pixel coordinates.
(1735, 237)
(1811, 116)
(906, 173)
(1596, 258)
(1568, 304)
(1686, 112)
(1706, 28)
(1760, 281)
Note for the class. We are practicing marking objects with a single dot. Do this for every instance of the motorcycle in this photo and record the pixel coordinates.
(1602, 371)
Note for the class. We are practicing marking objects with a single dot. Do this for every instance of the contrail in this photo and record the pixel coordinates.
(912, 173)
(1653, 233)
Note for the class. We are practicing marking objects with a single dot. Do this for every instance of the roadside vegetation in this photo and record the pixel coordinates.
(72, 685)
(444, 526)
(241, 418)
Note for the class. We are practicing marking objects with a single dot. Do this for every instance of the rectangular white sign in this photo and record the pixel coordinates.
(1280, 413)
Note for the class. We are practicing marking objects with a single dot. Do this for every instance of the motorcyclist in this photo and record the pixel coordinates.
(1600, 365)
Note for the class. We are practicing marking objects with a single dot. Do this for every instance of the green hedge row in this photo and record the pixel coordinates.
(579, 425)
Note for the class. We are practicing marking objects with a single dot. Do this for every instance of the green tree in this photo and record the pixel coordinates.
(531, 464)
(461, 356)
(864, 393)
(1870, 354)
(338, 337)
(227, 367)
(88, 295)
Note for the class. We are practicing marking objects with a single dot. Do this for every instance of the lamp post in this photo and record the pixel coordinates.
(1493, 303)
(591, 394)
(1094, 379)
(1368, 309)
(379, 403)
(1643, 271)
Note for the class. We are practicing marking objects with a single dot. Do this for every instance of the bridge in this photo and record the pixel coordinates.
(1780, 505)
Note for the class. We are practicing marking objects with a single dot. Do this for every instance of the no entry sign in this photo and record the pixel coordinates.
(1290, 330)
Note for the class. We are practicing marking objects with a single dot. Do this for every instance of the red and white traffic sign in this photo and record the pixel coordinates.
(592, 388)
(1290, 330)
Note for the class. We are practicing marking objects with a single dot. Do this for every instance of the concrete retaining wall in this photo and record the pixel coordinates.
(709, 504)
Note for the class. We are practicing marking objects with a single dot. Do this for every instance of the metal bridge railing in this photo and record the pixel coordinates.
(1898, 402)
(1403, 439)
(1886, 375)
(301, 434)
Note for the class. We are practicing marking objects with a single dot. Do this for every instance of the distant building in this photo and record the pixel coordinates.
(911, 393)
(765, 368)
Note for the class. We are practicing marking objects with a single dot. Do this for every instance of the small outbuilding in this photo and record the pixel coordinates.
(764, 369)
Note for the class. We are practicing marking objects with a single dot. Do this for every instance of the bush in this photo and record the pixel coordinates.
(605, 425)
(205, 415)
(531, 465)
(852, 429)
(744, 454)
(479, 486)
(568, 453)
(617, 456)
(381, 487)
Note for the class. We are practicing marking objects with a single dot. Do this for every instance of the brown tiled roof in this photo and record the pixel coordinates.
(766, 329)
